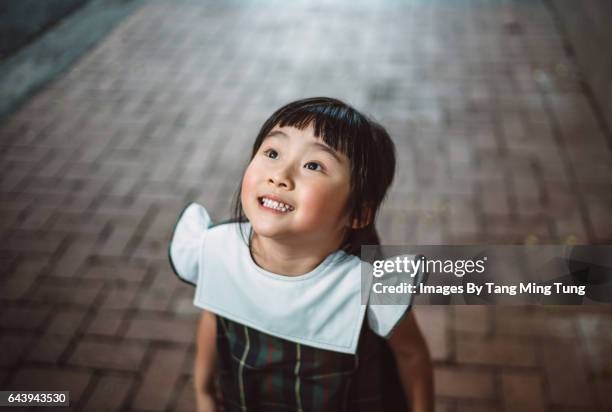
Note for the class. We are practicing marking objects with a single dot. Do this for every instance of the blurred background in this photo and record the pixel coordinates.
(115, 114)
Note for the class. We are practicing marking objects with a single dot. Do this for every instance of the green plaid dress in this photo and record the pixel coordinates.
(260, 372)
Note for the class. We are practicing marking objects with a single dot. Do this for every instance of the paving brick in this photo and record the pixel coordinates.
(55, 200)
(116, 270)
(186, 399)
(13, 180)
(443, 406)
(148, 249)
(79, 204)
(601, 221)
(596, 325)
(566, 374)
(162, 225)
(49, 292)
(8, 260)
(89, 186)
(523, 392)
(29, 154)
(494, 351)
(120, 298)
(597, 345)
(44, 185)
(71, 223)
(159, 295)
(32, 264)
(107, 323)
(13, 348)
(32, 241)
(74, 258)
(530, 207)
(167, 198)
(37, 218)
(182, 303)
(434, 323)
(65, 322)
(473, 319)
(495, 203)
(116, 243)
(481, 406)
(53, 166)
(166, 330)
(515, 231)
(106, 355)
(49, 348)
(23, 317)
(109, 393)
(456, 382)
(157, 388)
(123, 186)
(603, 392)
(121, 211)
(8, 218)
(16, 286)
(571, 229)
(465, 226)
(530, 322)
(189, 363)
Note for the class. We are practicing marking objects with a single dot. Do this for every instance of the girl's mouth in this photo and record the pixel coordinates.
(275, 205)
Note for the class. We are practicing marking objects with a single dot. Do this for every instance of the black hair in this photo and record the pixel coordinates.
(365, 142)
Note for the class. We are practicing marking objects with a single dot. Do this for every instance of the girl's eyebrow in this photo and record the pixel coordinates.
(321, 146)
(328, 150)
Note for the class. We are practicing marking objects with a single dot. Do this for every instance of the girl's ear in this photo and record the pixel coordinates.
(366, 219)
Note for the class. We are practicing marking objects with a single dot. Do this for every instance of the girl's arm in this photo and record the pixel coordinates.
(414, 364)
(205, 362)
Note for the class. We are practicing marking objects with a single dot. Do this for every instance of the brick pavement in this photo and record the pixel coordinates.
(496, 143)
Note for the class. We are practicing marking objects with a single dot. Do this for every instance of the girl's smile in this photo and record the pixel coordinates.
(275, 204)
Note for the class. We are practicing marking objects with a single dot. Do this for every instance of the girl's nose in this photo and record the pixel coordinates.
(281, 178)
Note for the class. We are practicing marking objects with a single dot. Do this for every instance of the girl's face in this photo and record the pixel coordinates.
(296, 188)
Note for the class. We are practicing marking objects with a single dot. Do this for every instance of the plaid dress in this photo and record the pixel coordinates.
(260, 372)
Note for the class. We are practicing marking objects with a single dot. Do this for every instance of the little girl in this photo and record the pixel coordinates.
(283, 327)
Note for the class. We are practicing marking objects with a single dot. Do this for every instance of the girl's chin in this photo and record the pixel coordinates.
(267, 229)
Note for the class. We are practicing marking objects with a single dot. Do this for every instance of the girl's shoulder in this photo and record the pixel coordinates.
(192, 226)
(193, 221)
(193, 216)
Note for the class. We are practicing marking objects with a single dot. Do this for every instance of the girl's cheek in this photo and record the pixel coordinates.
(323, 199)
(248, 191)
(249, 179)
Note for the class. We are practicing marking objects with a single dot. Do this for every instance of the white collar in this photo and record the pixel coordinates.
(321, 308)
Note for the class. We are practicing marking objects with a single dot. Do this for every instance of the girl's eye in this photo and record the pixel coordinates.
(271, 153)
(313, 166)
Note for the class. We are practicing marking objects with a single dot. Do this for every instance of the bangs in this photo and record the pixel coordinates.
(337, 125)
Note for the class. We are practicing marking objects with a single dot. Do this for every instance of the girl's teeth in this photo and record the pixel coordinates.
(275, 205)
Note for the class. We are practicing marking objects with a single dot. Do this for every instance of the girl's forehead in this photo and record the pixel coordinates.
(307, 131)
(292, 132)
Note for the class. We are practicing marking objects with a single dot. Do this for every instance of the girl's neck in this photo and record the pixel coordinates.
(288, 259)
